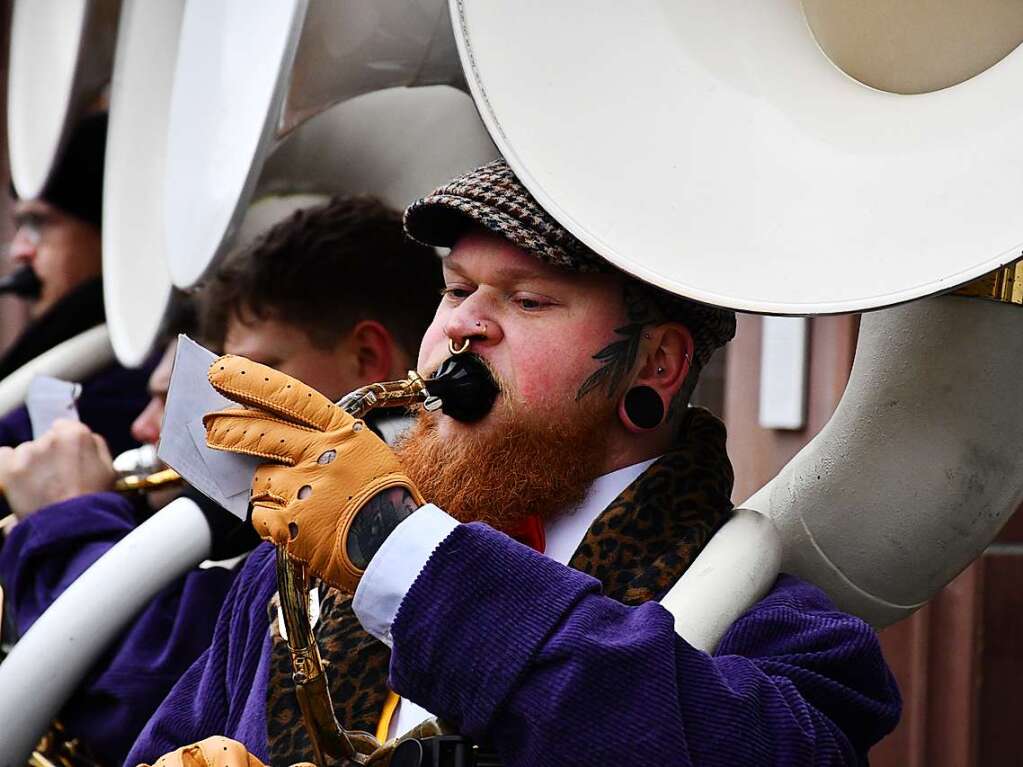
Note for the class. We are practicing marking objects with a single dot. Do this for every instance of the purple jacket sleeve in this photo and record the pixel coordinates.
(524, 653)
(224, 692)
(15, 428)
(46, 553)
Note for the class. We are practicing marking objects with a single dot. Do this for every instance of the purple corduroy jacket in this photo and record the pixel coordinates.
(47, 552)
(525, 653)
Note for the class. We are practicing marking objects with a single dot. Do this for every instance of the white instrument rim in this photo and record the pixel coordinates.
(136, 279)
(73, 360)
(369, 153)
(266, 76)
(920, 193)
(44, 59)
(210, 169)
(82, 621)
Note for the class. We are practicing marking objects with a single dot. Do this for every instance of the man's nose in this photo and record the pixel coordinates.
(471, 319)
(23, 248)
(146, 428)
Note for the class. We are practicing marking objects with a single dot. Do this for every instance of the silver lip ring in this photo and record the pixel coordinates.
(464, 347)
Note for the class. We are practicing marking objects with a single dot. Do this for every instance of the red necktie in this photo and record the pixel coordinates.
(530, 532)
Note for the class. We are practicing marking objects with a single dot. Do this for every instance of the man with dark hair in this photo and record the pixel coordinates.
(57, 245)
(510, 565)
(266, 301)
(336, 296)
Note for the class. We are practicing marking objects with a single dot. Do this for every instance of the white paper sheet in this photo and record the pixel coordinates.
(223, 477)
(48, 399)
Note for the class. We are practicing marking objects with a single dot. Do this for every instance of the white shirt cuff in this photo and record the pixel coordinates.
(395, 567)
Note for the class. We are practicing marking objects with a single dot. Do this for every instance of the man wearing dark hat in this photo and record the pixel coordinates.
(58, 251)
(510, 565)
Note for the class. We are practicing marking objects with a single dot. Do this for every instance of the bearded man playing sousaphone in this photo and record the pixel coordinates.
(513, 562)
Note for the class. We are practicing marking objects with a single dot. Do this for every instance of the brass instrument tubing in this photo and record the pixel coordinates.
(326, 734)
(141, 483)
(1004, 285)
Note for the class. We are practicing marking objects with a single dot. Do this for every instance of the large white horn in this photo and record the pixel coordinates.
(912, 477)
(918, 468)
(371, 144)
(73, 360)
(86, 618)
(136, 279)
(60, 59)
(715, 150)
(267, 71)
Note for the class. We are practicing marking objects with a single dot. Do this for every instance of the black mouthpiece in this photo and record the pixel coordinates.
(464, 387)
(23, 282)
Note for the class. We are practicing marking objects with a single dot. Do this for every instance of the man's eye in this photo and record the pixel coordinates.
(455, 293)
(530, 303)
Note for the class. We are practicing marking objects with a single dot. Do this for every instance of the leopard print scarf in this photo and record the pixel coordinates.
(638, 547)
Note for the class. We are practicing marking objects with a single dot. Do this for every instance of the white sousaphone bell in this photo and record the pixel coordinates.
(269, 71)
(59, 62)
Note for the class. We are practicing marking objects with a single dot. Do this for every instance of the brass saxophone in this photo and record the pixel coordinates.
(465, 390)
(326, 734)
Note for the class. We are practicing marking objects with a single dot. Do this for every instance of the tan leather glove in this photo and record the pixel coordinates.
(326, 467)
(212, 752)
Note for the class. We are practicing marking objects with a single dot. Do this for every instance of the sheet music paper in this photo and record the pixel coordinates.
(223, 477)
(49, 399)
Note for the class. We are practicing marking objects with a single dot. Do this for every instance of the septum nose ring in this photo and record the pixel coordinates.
(460, 350)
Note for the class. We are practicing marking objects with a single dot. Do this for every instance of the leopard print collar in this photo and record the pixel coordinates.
(637, 547)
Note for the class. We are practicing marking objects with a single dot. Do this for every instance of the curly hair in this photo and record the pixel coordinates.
(325, 269)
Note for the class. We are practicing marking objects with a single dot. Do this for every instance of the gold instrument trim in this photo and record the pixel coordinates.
(143, 483)
(1004, 284)
(326, 734)
(57, 749)
(306, 665)
(387, 714)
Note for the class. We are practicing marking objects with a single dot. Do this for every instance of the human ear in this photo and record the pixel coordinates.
(375, 350)
(665, 360)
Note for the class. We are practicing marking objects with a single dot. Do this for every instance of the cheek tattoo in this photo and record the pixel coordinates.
(619, 357)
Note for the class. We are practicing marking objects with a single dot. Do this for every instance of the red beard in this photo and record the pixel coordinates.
(522, 465)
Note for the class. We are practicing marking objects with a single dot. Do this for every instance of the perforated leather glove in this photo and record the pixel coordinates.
(212, 752)
(327, 473)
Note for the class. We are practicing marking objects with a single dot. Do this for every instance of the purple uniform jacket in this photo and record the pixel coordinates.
(525, 653)
(46, 553)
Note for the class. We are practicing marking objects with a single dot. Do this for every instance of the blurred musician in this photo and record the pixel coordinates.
(277, 300)
(550, 649)
(56, 246)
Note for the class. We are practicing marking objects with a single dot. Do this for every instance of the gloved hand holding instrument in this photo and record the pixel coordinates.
(324, 467)
(329, 495)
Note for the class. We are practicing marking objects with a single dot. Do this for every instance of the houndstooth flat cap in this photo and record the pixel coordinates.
(492, 197)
